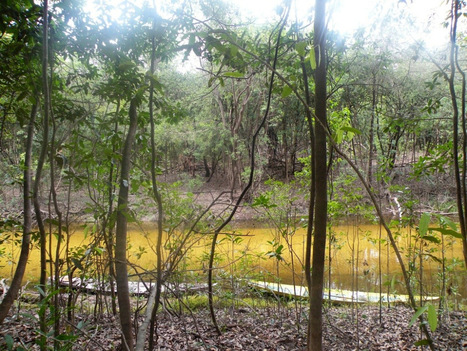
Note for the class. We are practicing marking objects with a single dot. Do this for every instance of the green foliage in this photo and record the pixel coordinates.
(424, 228)
(264, 201)
(340, 123)
(424, 223)
(277, 250)
(432, 316)
(437, 161)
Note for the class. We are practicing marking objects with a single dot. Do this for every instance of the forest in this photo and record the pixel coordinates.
(195, 175)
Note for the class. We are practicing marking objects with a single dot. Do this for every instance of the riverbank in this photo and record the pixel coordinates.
(214, 195)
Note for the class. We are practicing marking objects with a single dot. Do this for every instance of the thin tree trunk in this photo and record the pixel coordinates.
(315, 321)
(110, 239)
(121, 231)
(158, 198)
(40, 165)
(12, 293)
(311, 205)
(58, 212)
(250, 179)
(459, 176)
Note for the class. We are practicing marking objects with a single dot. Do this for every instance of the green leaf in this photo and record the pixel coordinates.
(300, 47)
(66, 337)
(431, 238)
(286, 91)
(9, 342)
(99, 250)
(210, 81)
(155, 82)
(339, 136)
(312, 59)
(233, 50)
(77, 263)
(234, 74)
(422, 342)
(449, 232)
(125, 66)
(351, 130)
(392, 283)
(432, 317)
(22, 96)
(51, 221)
(263, 201)
(424, 223)
(417, 314)
(434, 258)
(450, 223)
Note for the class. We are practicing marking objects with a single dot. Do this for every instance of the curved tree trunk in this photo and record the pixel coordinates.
(250, 179)
(12, 293)
(121, 232)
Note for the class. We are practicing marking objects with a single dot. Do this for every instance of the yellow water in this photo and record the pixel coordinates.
(355, 252)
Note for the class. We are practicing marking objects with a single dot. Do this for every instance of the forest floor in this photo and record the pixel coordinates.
(262, 328)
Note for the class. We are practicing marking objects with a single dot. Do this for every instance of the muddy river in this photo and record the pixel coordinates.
(358, 257)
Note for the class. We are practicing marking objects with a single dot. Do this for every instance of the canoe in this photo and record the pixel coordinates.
(137, 288)
(335, 295)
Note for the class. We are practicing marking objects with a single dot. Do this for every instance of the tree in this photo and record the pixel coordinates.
(459, 148)
(315, 321)
(12, 293)
(17, 32)
(123, 213)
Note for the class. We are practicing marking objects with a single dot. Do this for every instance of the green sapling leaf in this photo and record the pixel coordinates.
(424, 223)
(432, 317)
(417, 314)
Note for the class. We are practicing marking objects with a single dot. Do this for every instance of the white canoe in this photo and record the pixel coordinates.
(336, 295)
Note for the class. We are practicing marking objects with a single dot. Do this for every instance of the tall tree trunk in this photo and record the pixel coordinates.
(158, 198)
(311, 205)
(40, 165)
(12, 293)
(320, 223)
(459, 171)
(121, 231)
(109, 239)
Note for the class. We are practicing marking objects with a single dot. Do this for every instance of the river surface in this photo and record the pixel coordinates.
(357, 259)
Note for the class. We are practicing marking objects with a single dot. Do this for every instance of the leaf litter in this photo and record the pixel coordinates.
(267, 328)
